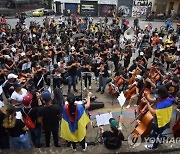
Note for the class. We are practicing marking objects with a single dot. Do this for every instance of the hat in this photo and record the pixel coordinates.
(46, 95)
(139, 77)
(17, 84)
(160, 38)
(27, 99)
(72, 48)
(46, 48)
(12, 76)
(175, 79)
(141, 53)
(113, 123)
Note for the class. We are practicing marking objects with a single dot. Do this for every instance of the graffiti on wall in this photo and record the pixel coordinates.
(140, 8)
(124, 10)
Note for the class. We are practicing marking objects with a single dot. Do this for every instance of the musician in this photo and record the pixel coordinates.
(162, 113)
(115, 58)
(139, 85)
(8, 86)
(103, 76)
(57, 76)
(72, 72)
(113, 138)
(87, 75)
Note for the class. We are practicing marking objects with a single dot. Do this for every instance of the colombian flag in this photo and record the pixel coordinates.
(74, 128)
(164, 111)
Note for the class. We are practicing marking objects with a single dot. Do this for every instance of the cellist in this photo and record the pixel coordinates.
(162, 113)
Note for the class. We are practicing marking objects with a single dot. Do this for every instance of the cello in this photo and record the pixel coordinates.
(144, 124)
(117, 82)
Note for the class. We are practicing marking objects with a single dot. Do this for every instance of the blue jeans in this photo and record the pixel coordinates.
(36, 136)
(102, 82)
(22, 140)
(71, 82)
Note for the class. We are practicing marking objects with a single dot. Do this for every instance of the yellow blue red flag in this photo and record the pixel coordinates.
(164, 111)
(74, 129)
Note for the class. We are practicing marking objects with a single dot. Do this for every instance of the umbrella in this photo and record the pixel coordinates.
(78, 35)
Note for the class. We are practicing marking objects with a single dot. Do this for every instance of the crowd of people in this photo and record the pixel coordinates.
(73, 49)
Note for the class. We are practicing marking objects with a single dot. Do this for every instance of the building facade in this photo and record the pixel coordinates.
(86, 7)
(168, 7)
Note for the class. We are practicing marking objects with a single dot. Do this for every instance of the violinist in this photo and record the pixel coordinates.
(57, 77)
(162, 114)
(87, 75)
(72, 72)
(8, 85)
(103, 76)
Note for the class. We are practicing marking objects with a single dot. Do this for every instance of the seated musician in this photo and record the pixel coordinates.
(139, 84)
(162, 113)
(113, 138)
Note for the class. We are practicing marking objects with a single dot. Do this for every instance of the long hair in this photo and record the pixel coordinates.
(71, 100)
(10, 118)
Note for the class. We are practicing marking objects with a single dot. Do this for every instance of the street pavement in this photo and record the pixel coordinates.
(111, 105)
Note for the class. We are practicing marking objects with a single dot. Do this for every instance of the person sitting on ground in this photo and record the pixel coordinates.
(112, 139)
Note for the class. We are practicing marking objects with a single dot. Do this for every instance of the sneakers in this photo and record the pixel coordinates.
(102, 92)
(84, 150)
(75, 90)
(98, 90)
(149, 146)
(89, 87)
(127, 107)
(84, 88)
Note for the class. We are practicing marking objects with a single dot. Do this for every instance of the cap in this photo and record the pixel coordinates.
(72, 48)
(175, 79)
(139, 77)
(113, 123)
(141, 53)
(12, 76)
(17, 84)
(27, 99)
(46, 95)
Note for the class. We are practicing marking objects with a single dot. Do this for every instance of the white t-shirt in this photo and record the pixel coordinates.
(17, 97)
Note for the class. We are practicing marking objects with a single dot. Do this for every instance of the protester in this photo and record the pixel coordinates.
(162, 114)
(49, 116)
(74, 121)
(16, 128)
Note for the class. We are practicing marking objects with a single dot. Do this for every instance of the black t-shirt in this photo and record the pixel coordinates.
(2, 129)
(111, 140)
(7, 91)
(50, 115)
(72, 71)
(32, 114)
(17, 130)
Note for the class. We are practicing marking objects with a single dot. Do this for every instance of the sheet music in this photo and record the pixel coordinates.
(103, 119)
(121, 99)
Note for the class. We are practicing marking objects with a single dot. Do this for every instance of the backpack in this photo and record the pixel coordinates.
(29, 123)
